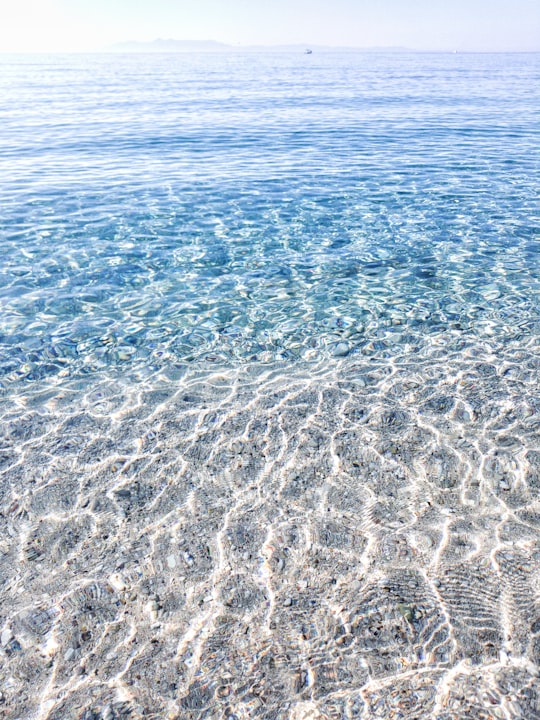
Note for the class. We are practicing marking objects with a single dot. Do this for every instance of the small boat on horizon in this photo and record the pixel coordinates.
(307, 51)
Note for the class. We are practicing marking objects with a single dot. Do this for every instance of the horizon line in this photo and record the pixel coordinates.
(116, 48)
(162, 45)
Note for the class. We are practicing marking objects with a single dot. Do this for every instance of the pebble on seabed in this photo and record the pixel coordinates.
(6, 637)
(152, 608)
(341, 349)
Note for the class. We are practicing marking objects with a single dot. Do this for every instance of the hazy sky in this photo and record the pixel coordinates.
(43, 25)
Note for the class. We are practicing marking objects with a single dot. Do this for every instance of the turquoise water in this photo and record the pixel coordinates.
(253, 208)
(269, 366)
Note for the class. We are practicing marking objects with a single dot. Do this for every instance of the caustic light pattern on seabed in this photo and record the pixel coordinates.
(361, 541)
(269, 366)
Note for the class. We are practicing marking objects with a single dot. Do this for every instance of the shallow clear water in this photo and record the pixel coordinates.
(269, 364)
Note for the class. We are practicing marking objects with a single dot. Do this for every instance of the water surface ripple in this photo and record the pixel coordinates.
(269, 370)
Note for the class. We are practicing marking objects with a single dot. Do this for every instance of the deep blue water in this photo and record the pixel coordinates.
(246, 208)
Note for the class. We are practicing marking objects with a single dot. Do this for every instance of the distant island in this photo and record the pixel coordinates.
(170, 45)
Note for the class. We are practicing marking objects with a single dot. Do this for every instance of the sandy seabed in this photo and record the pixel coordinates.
(358, 538)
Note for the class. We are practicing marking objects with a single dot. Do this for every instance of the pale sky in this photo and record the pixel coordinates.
(473, 25)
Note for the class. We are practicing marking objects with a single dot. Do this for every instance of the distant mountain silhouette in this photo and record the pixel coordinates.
(170, 45)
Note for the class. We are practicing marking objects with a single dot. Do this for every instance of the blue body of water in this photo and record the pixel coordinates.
(248, 208)
(269, 372)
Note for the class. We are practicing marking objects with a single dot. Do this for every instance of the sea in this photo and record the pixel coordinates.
(269, 386)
